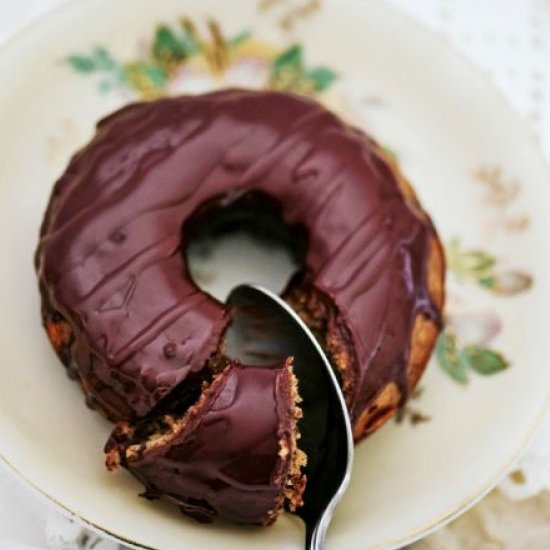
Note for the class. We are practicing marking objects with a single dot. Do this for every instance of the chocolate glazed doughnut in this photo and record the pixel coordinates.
(120, 306)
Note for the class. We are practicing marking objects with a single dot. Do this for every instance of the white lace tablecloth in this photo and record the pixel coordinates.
(510, 41)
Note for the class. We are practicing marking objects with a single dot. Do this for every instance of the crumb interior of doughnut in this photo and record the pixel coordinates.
(322, 320)
(168, 418)
(296, 481)
(160, 425)
(291, 496)
(161, 429)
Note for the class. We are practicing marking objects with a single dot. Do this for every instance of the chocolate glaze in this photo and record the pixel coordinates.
(225, 460)
(110, 260)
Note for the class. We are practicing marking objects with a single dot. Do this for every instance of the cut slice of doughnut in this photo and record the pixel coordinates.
(232, 454)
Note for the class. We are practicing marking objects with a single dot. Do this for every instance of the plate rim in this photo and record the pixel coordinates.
(467, 503)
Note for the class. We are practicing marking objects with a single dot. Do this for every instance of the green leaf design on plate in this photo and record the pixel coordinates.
(322, 77)
(468, 263)
(448, 357)
(487, 281)
(170, 49)
(483, 360)
(288, 72)
(290, 59)
(167, 47)
(99, 60)
(173, 46)
(102, 62)
(105, 85)
(149, 79)
(239, 39)
(81, 63)
(103, 59)
(457, 360)
(482, 268)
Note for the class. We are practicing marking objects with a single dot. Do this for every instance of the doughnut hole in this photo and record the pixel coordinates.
(242, 240)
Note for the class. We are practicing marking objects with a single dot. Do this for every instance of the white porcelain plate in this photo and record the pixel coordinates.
(477, 171)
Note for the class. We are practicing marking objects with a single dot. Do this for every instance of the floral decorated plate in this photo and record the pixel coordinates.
(477, 171)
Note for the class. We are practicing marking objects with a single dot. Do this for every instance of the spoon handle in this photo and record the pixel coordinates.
(316, 536)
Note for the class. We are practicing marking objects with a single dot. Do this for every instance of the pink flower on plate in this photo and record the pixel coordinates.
(474, 327)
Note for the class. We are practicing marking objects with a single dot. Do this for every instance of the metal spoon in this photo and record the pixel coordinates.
(265, 330)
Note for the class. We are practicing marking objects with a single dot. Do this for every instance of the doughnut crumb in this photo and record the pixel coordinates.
(153, 433)
(289, 451)
(322, 319)
(296, 482)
